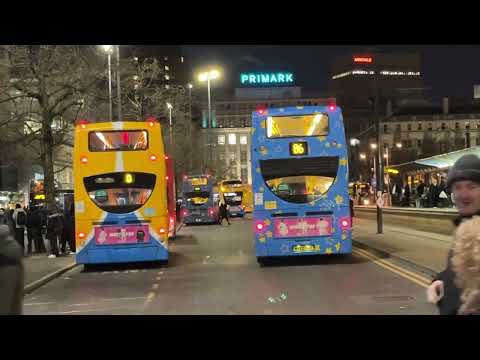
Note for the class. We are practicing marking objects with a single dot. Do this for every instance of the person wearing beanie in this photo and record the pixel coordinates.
(464, 181)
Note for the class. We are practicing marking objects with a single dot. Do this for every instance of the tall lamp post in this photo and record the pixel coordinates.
(109, 50)
(189, 125)
(170, 107)
(119, 95)
(208, 76)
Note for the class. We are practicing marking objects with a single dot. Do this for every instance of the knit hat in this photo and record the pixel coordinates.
(465, 168)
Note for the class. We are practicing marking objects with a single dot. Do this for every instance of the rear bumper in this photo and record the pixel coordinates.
(119, 254)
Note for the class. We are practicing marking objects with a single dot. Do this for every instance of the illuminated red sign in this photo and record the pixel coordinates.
(363, 59)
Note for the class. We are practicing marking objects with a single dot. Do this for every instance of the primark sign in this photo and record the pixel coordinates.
(266, 79)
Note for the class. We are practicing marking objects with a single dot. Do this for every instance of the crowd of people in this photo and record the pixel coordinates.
(35, 227)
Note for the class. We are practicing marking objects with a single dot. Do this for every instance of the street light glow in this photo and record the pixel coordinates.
(169, 105)
(363, 156)
(107, 48)
(373, 146)
(398, 145)
(214, 74)
(209, 75)
(189, 85)
(354, 142)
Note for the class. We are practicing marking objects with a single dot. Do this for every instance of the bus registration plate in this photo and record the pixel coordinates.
(305, 248)
(303, 227)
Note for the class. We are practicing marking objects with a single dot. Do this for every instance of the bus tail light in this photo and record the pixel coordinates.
(211, 212)
(83, 123)
(84, 160)
(185, 212)
(259, 227)
(153, 157)
(345, 223)
(166, 157)
(332, 107)
(151, 122)
(81, 235)
(172, 220)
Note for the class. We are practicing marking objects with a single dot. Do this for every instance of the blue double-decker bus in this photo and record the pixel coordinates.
(300, 182)
(198, 203)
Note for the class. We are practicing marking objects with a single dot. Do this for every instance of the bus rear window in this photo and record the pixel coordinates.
(300, 180)
(297, 126)
(120, 192)
(121, 140)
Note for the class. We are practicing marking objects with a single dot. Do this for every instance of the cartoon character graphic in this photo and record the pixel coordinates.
(283, 229)
(102, 237)
(323, 226)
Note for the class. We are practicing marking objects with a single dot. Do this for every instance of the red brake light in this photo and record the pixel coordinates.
(345, 223)
(332, 107)
(184, 212)
(172, 220)
(153, 157)
(210, 211)
(81, 235)
(185, 178)
(84, 159)
(166, 178)
(259, 227)
(261, 111)
(166, 157)
(83, 123)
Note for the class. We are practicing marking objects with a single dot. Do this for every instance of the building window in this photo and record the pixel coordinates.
(182, 59)
(232, 139)
(221, 156)
(165, 58)
(244, 175)
(243, 156)
(457, 125)
(419, 143)
(409, 127)
(167, 68)
(243, 140)
(221, 139)
(385, 128)
(399, 127)
(167, 86)
(167, 77)
(444, 126)
(430, 126)
(467, 125)
(232, 156)
(420, 126)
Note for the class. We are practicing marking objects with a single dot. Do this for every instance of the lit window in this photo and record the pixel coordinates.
(409, 127)
(457, 125)
(221, 139)
(232, 139)
(419, 126)
(181, 59)
(243, 139)
(167, 68)
(167, 86)
(167, 77)
(165, 58)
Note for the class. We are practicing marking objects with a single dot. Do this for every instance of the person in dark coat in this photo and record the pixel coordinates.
(464, 181)
(11, 274)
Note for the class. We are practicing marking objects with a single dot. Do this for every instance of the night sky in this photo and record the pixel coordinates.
(449, 70)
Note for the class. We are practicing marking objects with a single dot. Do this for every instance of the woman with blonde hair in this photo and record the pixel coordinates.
(466, 265)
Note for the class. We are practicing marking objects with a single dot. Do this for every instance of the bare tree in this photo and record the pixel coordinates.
(45, 89)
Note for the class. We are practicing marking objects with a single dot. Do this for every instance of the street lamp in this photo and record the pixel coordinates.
(189, 125)
(119, 94)
(363, 156)
(170, 107)
(108, 49)
(208, 76)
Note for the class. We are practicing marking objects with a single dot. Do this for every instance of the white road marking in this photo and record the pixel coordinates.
(41, 303)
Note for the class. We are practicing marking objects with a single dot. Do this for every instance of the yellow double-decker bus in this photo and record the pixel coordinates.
(121, 211)
(237, 195)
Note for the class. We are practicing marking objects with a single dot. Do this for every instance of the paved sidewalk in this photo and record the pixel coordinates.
(426, 249)
(38, 267)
